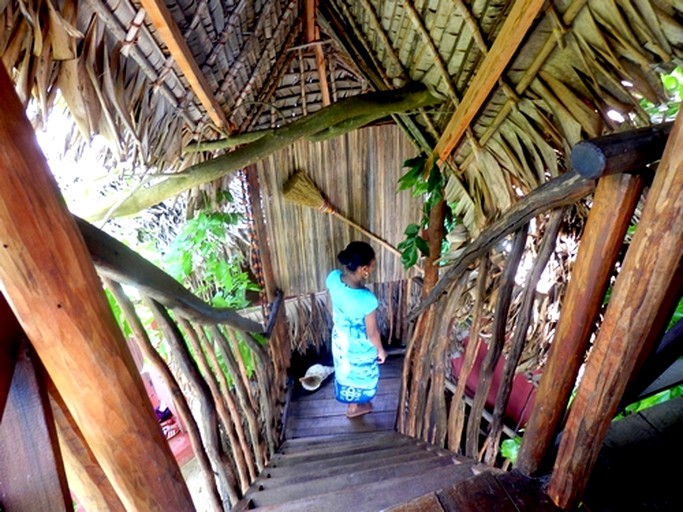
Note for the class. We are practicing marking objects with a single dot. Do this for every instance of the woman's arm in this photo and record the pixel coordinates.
(373, 335)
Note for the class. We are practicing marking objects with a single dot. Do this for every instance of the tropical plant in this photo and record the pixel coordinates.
(429, 185)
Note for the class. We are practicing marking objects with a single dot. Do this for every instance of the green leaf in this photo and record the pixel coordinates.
(416, 160)
(410, 179)
(412, 230)
(409, 257)
(510, 448)
(422, 244)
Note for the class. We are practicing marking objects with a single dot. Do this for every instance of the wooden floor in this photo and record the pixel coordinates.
(317, 413)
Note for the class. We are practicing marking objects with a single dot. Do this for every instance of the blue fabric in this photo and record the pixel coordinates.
(356, 371)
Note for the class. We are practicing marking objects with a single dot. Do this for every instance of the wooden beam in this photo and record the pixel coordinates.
(620, 152)
(31, 468)
(116, 261)
(84, 474)
(613, 204)
(51, 285)
(650, 278)
(312, 35)
(514, 29)
(171, 36)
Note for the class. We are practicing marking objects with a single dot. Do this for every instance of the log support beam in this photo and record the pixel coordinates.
(613, 204)
(641, 303)
(49, 280)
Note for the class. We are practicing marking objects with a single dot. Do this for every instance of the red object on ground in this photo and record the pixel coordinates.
(523, 392)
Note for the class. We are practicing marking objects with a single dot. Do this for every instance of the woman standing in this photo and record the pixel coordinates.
(356, 344)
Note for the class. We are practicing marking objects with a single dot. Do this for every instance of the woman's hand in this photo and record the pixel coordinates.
(381, 355)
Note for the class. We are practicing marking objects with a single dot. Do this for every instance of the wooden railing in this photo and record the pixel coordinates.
(622, 163)
(229, 404)
(235, 427)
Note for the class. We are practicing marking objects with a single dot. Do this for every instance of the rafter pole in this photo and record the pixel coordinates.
(312, 35)
(175, 42)
(514, 29)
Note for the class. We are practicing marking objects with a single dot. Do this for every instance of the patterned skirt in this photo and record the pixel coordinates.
(356, 371)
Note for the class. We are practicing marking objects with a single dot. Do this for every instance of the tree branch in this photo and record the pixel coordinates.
(386, 103)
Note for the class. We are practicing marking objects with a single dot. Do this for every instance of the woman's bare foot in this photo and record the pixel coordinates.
(355, 410)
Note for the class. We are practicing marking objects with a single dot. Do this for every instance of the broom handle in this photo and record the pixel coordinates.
(367, 233)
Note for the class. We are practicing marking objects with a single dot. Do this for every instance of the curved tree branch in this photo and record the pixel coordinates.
(560, 191)
(385, 102)
(119, 263)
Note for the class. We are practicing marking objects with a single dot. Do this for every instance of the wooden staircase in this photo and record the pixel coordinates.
(331, 463)
(360, 472)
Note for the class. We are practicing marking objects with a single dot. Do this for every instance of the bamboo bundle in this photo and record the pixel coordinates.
(300, 189)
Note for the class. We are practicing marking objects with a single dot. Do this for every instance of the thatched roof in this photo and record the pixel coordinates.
(521, 82)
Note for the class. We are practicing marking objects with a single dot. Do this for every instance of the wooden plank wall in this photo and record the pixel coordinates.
(358, 173)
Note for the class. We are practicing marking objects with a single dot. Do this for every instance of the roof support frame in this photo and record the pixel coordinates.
(170, 34)
(516, 26)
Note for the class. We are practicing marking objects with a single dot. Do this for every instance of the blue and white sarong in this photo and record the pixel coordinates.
(356, 371)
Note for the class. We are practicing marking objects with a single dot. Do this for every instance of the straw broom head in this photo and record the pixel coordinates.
(300, 190)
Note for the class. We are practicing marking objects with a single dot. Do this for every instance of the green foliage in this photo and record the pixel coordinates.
(430, 185)
(673, 85)
(510, 448)
(658, 398)
(198, 259)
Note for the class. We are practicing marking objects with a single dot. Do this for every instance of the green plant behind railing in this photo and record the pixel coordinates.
(198, 258)
(428, 185)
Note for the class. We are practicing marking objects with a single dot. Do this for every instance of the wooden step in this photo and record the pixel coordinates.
(284, 476)
(289, 492)
(378, 495)
(491, 490)
(337, 443)
(324, 407)
(341, 424)
(331, 453)
(313, 468)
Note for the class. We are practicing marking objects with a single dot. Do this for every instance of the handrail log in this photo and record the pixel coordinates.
(119, 263)
(627, 152)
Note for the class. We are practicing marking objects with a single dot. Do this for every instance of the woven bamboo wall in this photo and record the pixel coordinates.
(358, 173)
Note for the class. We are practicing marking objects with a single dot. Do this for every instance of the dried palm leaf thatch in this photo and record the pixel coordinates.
(301, 190)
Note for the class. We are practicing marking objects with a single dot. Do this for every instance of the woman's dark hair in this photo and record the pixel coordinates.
(356, 254)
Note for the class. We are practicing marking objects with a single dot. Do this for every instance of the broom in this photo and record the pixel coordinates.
(300, 190)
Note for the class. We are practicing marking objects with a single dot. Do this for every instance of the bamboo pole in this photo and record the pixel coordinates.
(613, 204)
(49, 280)
(650, 278)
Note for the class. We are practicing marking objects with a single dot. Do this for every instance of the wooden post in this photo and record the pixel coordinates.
(86, 479)
(651, 276)
(613, 204)
(50, 283)
(31, 469)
